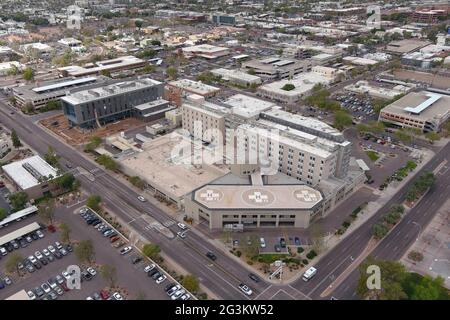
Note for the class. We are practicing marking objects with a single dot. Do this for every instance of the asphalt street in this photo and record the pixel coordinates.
(391, 247)
(222, 276)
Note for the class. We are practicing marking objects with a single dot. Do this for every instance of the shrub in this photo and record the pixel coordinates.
(300, 250)
(310, 255)
(305, 262)
(238, 253)
(415, 256)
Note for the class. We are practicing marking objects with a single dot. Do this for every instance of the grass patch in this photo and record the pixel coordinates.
(372, 155)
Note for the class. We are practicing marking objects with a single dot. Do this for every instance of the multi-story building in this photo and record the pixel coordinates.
(278, 146)
(428, 15)
(99, 67)
(424, 110)
(276, 68)
(222, 18)
(95, 106)
(38, 94)
(176, 90)
(237, 77)
(206, 51)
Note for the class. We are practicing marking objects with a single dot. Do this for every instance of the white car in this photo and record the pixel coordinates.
(32, 259)
(117, 296)
(58, 245)
(38, 255)
(182, 226)
(182, 235)
(51, 249)
(149, 268)
(161, 279)
(83, 210)
(91, 271)
(89, 298)
(46, 252)
(178, 294)
(46, 288)
(66, 275)
(141, 198)
(40, 234)
(185, 296)
(31, 295)
(125, 250)
(245, 289)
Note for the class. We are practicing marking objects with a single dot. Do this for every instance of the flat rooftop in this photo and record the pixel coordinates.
(205, 48)
(171, 173)
(235, 74)
(108, 90)
(246, 106)
(294, 197)
(99, 66)
(26, 173)
(406, 45)
(196, 87)
(423, 105)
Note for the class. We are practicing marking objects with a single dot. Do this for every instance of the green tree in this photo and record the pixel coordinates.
(85, 251)
(393, 273)
(65, 232)
(379, 230)
(137, 182)
(109, 273)
(28, 108)
(3, 213)
(148, 68)
(172, 72)
(28, 74)
(46, 211)
(403, 136)
(155, 43)
(428, 289)
(18, 200)
(432, 136)
(66, 182)
(12, 264)
(138, 24)
(51, 157)
(191, 283)
(93, 143)
(93, 202)
(342, 119)
(151, 250)
(108, 162)
(15, 139)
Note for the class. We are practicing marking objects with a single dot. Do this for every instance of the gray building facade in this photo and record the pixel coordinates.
(95, 107)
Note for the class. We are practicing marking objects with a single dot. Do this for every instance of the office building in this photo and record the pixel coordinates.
(96, 106)
(276, 68)
(206, 51)
(38, 94)
(423, 110)
(32, 175)
(99, 67)
(237, 77)
(221, 18)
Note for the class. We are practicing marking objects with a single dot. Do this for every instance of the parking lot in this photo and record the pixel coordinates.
(132, 281)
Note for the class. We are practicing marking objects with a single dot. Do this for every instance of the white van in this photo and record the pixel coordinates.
(311, 272)
(262, 242)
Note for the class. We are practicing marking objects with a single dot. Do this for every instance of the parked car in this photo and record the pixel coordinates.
(31, 295)
(45, 287)
(136, 259)
(40, 234)
(177, 294)
(182, 226)
(69, 248)
(282, 242)
(91, 271)
(277, 248)
(117, 296)
(297, 241)
(161, 279)
(51, 249)
(125, 250)
(39, 292)
(46, 252)
(7, 281)
(149, 268)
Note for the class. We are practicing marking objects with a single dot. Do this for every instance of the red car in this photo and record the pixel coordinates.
(104, 294)
(114, 239)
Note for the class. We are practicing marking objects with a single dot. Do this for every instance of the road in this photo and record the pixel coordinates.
(392, 247)
(222, 276)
